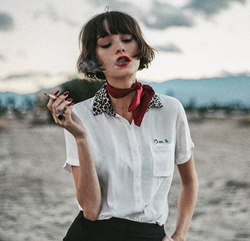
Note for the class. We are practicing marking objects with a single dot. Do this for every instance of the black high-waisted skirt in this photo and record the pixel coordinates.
(114, 229)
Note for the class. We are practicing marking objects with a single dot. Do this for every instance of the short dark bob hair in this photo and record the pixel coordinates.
(118, 22)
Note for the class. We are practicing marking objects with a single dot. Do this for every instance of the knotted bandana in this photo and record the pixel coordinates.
(139, 105)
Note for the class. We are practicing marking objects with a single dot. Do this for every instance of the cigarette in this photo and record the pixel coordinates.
(51, 96)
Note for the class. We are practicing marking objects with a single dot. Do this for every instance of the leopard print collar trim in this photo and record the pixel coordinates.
(102, 102)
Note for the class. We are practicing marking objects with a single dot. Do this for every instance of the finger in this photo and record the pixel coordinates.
(68, 112)
(56, 103)
(59, 113)
(51, 101)
(62, 106)
(57, 93)
(60, 99)
(167, 238)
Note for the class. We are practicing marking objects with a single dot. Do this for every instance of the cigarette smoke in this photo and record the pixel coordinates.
(89, 66)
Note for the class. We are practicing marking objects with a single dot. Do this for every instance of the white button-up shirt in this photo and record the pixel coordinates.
(134, 164)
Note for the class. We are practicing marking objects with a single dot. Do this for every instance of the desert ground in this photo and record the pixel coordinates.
(38, 197)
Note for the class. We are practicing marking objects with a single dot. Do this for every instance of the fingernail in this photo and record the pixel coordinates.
(69, 100)
(57, 92)
(66, 93)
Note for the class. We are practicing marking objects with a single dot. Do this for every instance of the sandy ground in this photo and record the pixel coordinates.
(38, 196)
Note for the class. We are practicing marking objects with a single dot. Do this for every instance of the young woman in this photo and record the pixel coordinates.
(123, 143)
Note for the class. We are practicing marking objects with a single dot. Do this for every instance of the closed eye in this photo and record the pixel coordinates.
(106, 46)
(127, 40)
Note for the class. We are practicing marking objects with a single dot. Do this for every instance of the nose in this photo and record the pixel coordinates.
(120, 48)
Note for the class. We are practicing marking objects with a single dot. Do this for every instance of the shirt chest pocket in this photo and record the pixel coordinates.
(163, 160)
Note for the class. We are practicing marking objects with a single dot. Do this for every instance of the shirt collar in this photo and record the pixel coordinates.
(102, 102)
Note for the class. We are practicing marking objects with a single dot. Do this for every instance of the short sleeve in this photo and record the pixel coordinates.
(71, 151)
(184, 143)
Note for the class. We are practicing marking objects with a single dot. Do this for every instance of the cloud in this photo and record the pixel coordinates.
(169, 48)
(50, 12)
(211, 7)
(26, 76)
(162, 16)
(225, 73)
(32, 81)
(113, 5)
(6, 22)
(116, 5)
(2, 58)
(157, 16)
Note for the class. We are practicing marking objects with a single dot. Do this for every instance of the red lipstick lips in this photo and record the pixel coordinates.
(122, 61)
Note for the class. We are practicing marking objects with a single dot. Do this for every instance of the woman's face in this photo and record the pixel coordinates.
(115, 52)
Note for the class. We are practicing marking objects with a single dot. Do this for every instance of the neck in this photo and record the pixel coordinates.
(123, 102)
(122, 83)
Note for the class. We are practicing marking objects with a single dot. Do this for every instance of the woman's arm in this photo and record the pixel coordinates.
(187, 200)
(88, 190)
(86, 181)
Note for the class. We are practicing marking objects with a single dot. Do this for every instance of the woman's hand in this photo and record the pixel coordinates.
(70, 120)
(167, 238)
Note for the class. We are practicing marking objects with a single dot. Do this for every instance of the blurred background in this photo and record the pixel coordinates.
(203, 60)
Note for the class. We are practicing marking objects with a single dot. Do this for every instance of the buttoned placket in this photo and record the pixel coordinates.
(136, 167)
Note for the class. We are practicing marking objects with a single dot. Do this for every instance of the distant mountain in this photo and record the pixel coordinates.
(16, 100)
(201, 92)
(221, 91)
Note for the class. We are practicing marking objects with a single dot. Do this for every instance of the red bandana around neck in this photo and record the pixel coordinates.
(143, 96)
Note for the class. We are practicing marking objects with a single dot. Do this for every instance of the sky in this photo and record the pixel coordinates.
(194, 38)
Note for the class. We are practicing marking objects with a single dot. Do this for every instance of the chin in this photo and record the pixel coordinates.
(123, 73)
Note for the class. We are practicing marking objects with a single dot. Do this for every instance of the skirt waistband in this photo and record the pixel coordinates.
(130, 226)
